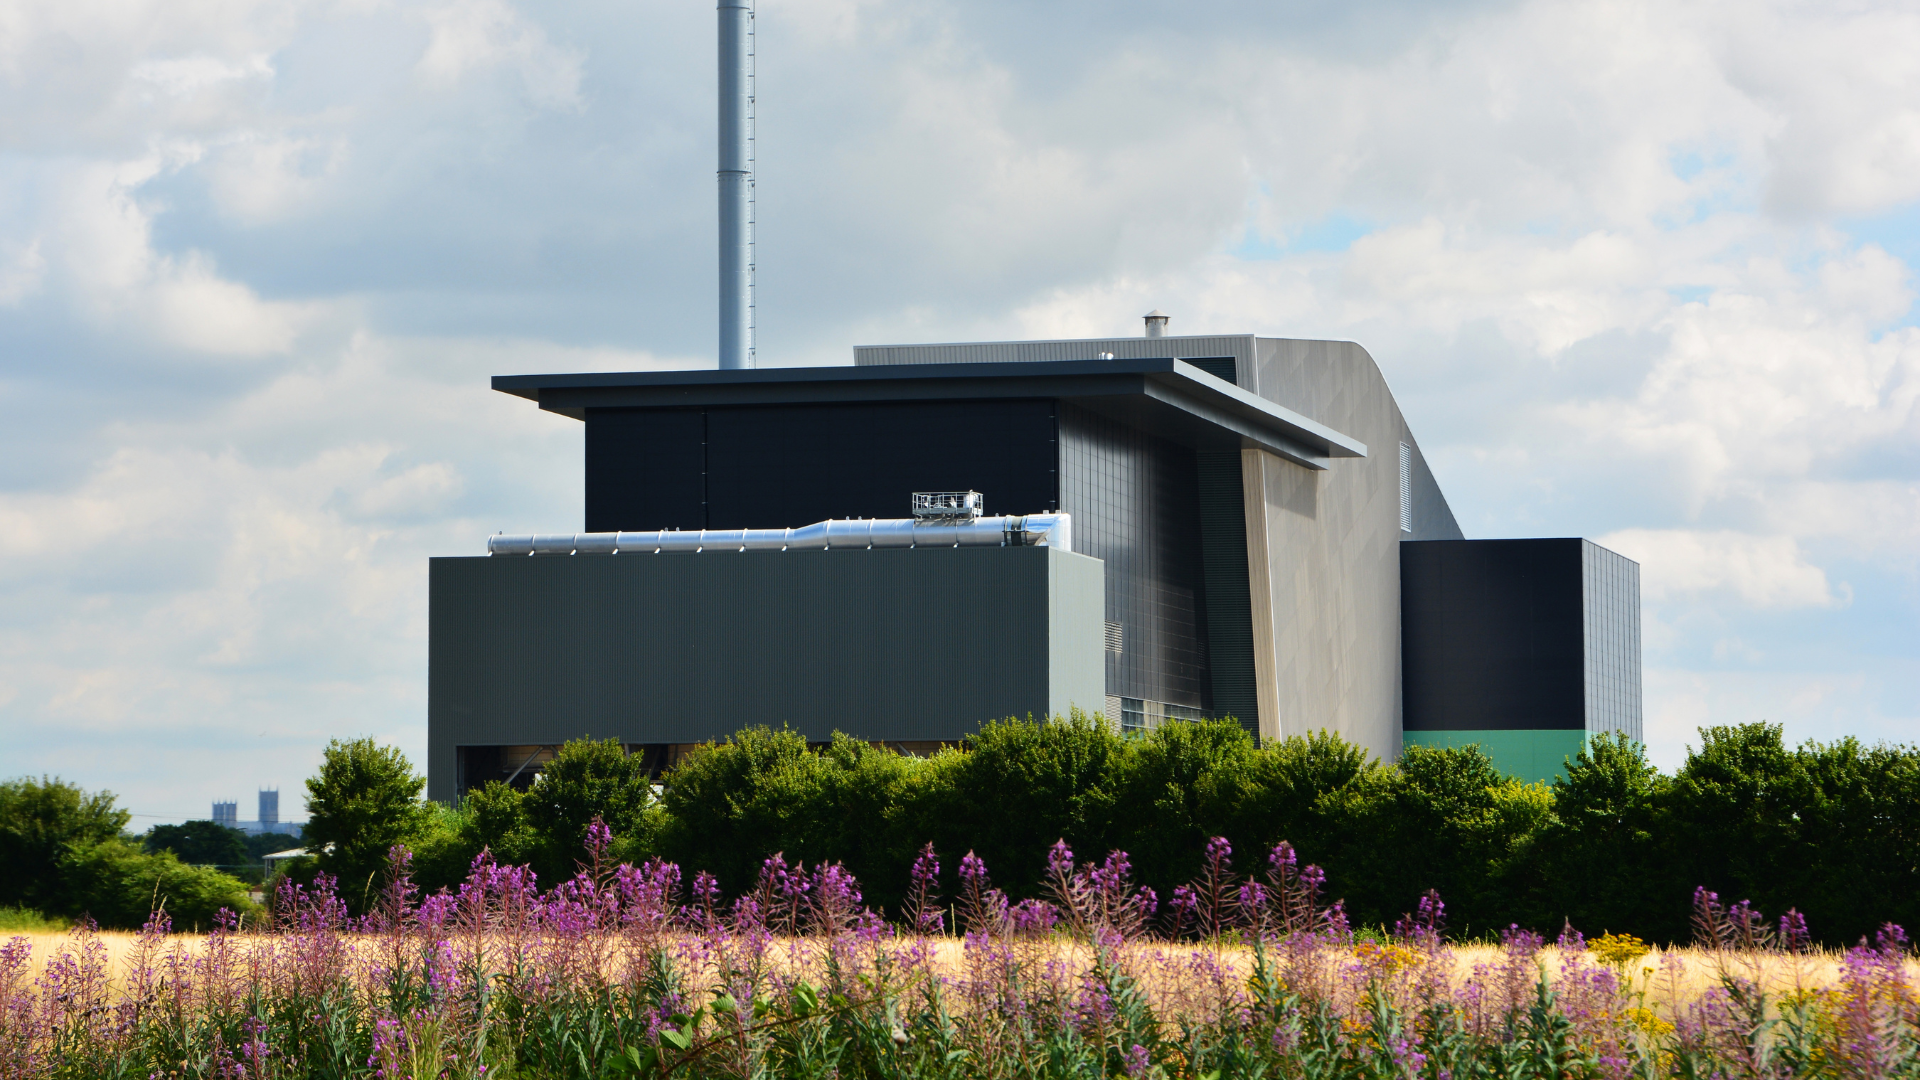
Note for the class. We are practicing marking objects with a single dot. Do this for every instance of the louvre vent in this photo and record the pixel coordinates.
(1406, 488)
(1116, 639)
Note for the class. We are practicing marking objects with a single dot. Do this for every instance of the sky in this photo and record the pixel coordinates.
(1637, 271)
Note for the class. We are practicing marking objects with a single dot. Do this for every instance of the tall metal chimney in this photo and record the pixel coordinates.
(1156, 323)
(736, 183)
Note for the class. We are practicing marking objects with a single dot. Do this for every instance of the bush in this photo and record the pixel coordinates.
(364, 800)
(201, 843)
(118, 885)
(39, 821)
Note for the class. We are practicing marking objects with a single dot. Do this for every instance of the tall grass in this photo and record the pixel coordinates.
(625, 971)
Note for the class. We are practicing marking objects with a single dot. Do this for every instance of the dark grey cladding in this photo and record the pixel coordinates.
(911, 645)
(1512, 635)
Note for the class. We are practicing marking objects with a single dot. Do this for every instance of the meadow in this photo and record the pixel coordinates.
(628, 970)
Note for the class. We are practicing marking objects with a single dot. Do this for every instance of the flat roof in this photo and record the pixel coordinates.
(1165, 397)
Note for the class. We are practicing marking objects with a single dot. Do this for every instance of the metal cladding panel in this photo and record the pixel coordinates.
(896, 645)
(1612, 601)
(646, 469)
(1494, 635)
(1238, 346)
(1229, 602)
(1135, 506)
(783, 465)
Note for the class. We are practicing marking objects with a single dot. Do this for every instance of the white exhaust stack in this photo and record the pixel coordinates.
(1156, 323)
(736, 184)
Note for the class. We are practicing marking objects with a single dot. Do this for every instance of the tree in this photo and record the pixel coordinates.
(39, 821)
(118, 885)
(364, 800)
(201, 843)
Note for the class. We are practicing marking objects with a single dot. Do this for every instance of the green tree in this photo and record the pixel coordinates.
(731, 804)
(40, 820)
(1606, 865)
(1179, 785)
(118, 885)
(1439, 819)
(587, 779)
(1021, 785)
(1295, 791)
(364, 800)
(201, 843)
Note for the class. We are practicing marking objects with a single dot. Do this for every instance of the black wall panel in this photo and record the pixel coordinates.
(1492, 635)
(645, 469)
(791, 465)
(1135, 504)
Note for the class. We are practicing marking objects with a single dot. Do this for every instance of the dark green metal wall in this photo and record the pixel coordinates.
(906, 645)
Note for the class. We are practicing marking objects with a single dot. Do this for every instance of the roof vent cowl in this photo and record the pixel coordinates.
(1156, 323)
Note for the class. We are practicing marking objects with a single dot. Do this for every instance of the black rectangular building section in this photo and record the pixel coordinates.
(763, 466)
(1520, 646)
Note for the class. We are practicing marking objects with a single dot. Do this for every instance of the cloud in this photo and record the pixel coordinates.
(260, 258)
(1757, 571)
(472, 36)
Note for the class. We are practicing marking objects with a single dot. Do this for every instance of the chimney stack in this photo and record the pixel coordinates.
(736, 184)
(1156, 323)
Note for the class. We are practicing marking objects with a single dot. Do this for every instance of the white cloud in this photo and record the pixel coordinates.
(1758, 571)
(260, 258)
(478, 34)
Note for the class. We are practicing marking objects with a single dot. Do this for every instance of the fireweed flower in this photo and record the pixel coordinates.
(504, 971)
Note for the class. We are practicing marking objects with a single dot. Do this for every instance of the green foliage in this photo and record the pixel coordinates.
(585, 781)
(201, 843)
(39, 821)
(1020, 786)
(1612, 845)
(19, 920)
(364, 800)
(732, 804)
(118, 885)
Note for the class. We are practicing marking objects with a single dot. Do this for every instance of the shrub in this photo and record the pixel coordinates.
(364, 800)
(39, 821)
(118, 885)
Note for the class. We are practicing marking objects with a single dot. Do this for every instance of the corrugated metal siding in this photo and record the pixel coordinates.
(906, 645)
(1239, 346)
(1135, 506)
(1612, 603)
(1229, 601)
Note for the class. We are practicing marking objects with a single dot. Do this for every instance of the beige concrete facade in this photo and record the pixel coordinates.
(1322, 545)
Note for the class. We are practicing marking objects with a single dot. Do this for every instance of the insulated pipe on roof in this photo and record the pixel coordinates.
(1031, 530)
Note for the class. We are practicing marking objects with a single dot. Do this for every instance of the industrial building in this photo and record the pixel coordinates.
(1154, 528)
(1180, 527)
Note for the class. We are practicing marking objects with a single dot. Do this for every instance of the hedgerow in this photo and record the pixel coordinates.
(1830, 829)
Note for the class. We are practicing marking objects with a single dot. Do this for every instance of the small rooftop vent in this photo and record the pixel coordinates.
(948, 505)
(1156, 323)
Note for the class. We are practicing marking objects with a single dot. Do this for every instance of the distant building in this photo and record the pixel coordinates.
(228, 813)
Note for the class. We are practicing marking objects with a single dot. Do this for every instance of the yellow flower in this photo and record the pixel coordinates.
(1619, 950)
(1646, 1020)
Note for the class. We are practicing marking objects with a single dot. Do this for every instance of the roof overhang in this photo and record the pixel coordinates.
(1165, 397)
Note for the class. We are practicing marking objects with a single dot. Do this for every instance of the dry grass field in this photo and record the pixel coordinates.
(1665, 976)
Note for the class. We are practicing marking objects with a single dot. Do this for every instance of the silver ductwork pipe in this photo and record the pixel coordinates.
(1028, 530)
(736, 184)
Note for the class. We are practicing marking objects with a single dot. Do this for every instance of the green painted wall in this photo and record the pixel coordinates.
(1532, 755)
